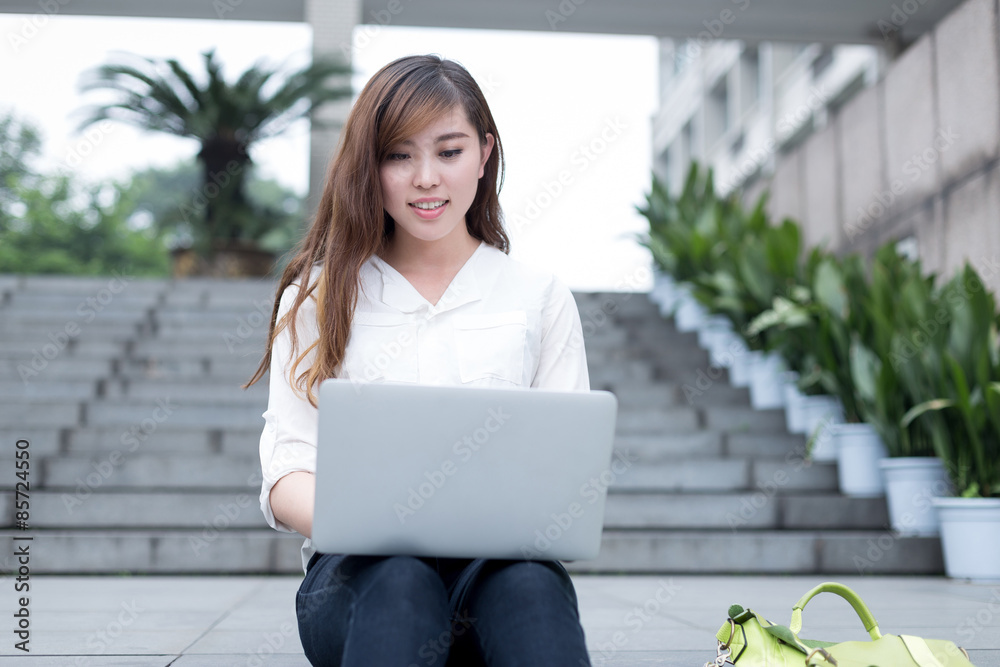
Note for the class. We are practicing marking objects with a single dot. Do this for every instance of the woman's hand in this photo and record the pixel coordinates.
(292, 500)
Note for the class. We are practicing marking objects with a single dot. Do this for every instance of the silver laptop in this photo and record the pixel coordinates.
(461, 472)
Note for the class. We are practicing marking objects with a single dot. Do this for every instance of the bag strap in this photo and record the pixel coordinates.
(871, 625)
(920, 651)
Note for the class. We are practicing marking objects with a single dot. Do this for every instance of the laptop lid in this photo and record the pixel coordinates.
(461, 472)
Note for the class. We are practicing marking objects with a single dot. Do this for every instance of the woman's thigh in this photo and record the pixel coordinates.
(517, 613)
(370, 610)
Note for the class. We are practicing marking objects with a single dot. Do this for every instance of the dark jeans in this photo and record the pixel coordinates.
(404, 611)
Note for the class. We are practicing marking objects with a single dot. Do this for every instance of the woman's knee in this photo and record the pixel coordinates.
(403, 581)
(529, 578)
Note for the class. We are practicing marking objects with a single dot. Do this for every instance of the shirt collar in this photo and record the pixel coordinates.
(398, 293)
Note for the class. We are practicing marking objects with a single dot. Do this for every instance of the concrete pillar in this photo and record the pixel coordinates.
(786, 188)
(968, 92)
(865, 199)
(821, 186)
(333, 23)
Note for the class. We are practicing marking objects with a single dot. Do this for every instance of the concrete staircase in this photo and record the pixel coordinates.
(143, 448)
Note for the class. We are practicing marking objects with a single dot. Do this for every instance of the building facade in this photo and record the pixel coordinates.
(862, 144)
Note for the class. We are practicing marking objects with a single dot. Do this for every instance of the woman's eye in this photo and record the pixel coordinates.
(452, 153)
(397, 156)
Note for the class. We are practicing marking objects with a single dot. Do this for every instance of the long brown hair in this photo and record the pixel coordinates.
(351, 223)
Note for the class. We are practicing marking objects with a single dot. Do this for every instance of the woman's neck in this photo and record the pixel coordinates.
(409, 255)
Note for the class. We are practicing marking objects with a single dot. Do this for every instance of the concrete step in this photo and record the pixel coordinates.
(736, 419)
(42, 440)
(100, 301)
(146, 438)
(123, 469)
(36, 369)
(670, 364)
(789, 446)
(703, 443)
(219, 320)
(175, 410)
(649, 420)
(117, 389)
(239, 550)
(163, 439)
(726, 475)
(668, 446)
(611, 376)
(90, 286)
(679, 393)
(221, 369)
(724, 419)
(57, 321)
(33, 412)
(251, 333)
(215, 346)
(77, 390)
(229, 550)
(824, 552)
(78, 508)
(743, 511)
(144, 510)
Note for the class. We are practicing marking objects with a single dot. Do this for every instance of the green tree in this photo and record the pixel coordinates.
(50, 224)
(225, 118)
(163, 196)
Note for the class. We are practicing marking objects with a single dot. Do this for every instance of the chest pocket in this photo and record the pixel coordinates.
(382, 347)
(490, 347)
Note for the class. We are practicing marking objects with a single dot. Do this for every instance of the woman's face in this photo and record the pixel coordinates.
(429, 180)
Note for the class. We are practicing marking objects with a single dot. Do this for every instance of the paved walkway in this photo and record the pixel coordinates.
(631, 620)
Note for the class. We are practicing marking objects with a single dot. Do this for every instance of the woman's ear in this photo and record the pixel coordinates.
(485, 150)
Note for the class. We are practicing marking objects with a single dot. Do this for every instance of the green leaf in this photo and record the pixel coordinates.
(926, 406)
(829, 289)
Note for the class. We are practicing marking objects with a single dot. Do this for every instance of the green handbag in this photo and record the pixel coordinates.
(749, 640)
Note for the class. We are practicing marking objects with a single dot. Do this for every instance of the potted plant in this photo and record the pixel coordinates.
(222, 227)
(894, 370)
(963, 421)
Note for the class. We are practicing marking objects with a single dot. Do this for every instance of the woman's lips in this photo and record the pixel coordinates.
(430, 213)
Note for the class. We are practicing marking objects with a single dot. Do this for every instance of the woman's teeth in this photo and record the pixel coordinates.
(429, 205)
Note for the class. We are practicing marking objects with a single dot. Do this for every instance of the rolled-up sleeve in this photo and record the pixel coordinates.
(288, 442)
(562, 363)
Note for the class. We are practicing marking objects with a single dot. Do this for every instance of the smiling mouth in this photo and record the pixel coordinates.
(429, 205)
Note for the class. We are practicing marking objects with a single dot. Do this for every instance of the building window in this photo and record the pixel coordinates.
(749, 78)
(822, 62)
(717, 118)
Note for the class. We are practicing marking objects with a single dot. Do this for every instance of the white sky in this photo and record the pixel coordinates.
(553, 96)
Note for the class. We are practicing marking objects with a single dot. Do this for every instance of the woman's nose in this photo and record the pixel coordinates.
(425, 174)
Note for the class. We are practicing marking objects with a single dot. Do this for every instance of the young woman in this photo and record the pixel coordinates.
(405, 277)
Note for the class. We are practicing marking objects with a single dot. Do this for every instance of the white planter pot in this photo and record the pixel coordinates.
(720, 354)
(742, 369)
(859, 449)
(910, 483)
(766, 388)
(689, 314)
(713, 330)
(664, 293)
(794, 415)
(730, 351)
(739, 366)
(819, 413)
(970, 537)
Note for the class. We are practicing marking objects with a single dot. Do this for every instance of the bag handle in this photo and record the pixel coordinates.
(871, 625)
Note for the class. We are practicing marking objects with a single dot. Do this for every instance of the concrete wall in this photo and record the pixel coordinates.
(915, 155)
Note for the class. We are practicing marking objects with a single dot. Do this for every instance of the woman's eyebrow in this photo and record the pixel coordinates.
(452, 135)
(444, 137)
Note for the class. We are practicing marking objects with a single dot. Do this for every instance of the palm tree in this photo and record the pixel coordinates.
(226, 119)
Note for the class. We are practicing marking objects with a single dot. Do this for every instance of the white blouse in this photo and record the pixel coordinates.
(500, 323)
